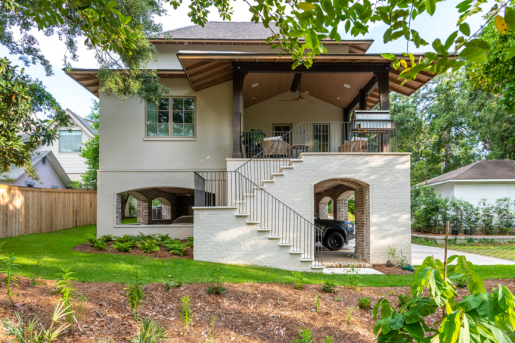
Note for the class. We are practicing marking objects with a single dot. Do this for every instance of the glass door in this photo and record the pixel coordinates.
(321, 137)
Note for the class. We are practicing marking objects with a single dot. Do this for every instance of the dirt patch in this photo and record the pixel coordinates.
(391, 270)
(86, 247)
(246, 313)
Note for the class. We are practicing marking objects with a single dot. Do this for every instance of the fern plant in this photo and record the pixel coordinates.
(149, 245)
(216, 281)
(177, 248)
(123, 246)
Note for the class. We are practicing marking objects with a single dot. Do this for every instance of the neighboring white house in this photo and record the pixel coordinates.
(486, 179)
(51, 173)
(67, 147)
(253, 194)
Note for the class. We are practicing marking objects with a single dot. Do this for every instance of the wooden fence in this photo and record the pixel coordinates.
(25, 210)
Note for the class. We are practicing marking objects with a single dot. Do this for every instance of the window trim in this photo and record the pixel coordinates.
(31, 183)
(70, 152)
(170, 122)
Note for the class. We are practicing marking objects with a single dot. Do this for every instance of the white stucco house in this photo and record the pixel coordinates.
(50, 172)
(67, 147)
(252, 149)
(486, 179)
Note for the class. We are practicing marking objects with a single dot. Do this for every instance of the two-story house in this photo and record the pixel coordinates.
(253, 149)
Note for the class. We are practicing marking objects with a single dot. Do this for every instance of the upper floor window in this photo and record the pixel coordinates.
(70, 141)
(43, 161)
(171, 117)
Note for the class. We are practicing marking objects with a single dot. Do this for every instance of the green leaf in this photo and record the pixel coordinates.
(509, 17)
(388, 56)
(396, 321)
(465, 29)
(296, 33)
(505, 298)
(449, 330)
(387, 35)
(415, 330)
(306, 6)
(511, 52)
(430, 7)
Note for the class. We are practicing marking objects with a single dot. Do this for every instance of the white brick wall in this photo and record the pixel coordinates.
(220, 236)
(387, 174)
(111, 183)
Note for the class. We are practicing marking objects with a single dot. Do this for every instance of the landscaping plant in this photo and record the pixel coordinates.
(480, 316)
(150, 332)
(505, 217)
(10, 280)
(404, 299)
(135, 294)
(317, 303)
(329, 287)
(32, 331)
(297, 280)
(351, 311)
(123, 246)
(365, 303)
(305, 337)
(185, 312)
(177, 248)
(97, 243)
(353, 277)
(392, 252)
(486, 219)
(148, 244)
(65, 285)
(36, 269)
(217, 278)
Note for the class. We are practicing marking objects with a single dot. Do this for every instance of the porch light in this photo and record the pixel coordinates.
(255, 85)
(253, 97)
(338, 97)
(346, 85)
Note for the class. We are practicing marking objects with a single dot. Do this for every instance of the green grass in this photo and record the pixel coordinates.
(130, 221)
(55, 251)
(500, 251)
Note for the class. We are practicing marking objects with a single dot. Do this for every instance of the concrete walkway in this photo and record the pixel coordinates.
(420, 252)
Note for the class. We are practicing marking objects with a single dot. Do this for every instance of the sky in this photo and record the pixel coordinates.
(73, 96)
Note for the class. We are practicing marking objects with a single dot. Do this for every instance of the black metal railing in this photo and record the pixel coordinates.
(222, 188)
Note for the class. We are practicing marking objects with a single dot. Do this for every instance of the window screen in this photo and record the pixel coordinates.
(70, 141)
(171, 117)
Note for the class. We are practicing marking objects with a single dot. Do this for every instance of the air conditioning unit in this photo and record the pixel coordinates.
(372, 121)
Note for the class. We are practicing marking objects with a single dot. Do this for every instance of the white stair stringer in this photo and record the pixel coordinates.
(253, 205)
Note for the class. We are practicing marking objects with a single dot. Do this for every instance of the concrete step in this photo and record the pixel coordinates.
(248, 195)
(295, 252)
(264, 229)
(253, 222)
(307, 259)
(285, 244)
(274, 237)
(242, 214)
(277, 174)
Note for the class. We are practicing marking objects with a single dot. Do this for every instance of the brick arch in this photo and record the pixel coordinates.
(362, 203)
(342, 205)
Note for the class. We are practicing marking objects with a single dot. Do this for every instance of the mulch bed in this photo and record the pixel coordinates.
(86, 247)
(246, 313)
(390, 270)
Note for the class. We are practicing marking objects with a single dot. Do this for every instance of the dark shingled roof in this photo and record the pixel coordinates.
(481, 170)
(222, 31)
(87, 123)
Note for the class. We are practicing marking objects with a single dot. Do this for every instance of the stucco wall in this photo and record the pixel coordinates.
(111, 183)
(122, 139)
(167, 53)
(388, 177)
(220, 236)
(261, 116)
(473, 192)
(48, 177)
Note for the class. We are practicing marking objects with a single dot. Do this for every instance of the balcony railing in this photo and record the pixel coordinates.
(314, 137)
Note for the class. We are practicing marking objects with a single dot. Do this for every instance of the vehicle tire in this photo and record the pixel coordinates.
(333, 241)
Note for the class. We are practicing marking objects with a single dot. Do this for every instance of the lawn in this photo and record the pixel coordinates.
(54, 251)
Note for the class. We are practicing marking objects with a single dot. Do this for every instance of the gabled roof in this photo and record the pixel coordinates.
(239, 33)
(16, 172)
(87, 123)
(481, 170)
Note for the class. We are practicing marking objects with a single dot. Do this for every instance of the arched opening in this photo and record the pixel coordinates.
(341, 190)
(323, 208)
(162, 205)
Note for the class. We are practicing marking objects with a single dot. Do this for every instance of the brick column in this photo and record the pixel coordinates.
(142, 212)
(118, 202)
(343, 209)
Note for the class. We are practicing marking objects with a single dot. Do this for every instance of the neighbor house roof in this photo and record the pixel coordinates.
(248, 33)
(481, 170)
(87, 123)
(16, 172)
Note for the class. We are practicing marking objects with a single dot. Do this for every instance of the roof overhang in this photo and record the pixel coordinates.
(88, 79)
(355, 46)
(206, 69)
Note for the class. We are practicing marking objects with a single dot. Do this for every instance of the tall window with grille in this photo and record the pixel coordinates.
(70, 141)
(173, 117)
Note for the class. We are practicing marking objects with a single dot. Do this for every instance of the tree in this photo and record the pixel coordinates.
(91, 152)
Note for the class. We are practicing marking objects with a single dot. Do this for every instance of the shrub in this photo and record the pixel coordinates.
(125, 239)
(457, 216)
(505, 218)
(404, 299)
(462, 321)
(470, 216)
(97, 243)
(297, 280)
(486, 219)
(135, 294)
(365, 303)
(329, 287)
(107, 238)
(177, 248)
(424, 241)
(216, 281)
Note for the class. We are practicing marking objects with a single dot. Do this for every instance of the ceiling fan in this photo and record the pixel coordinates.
(301, 97)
